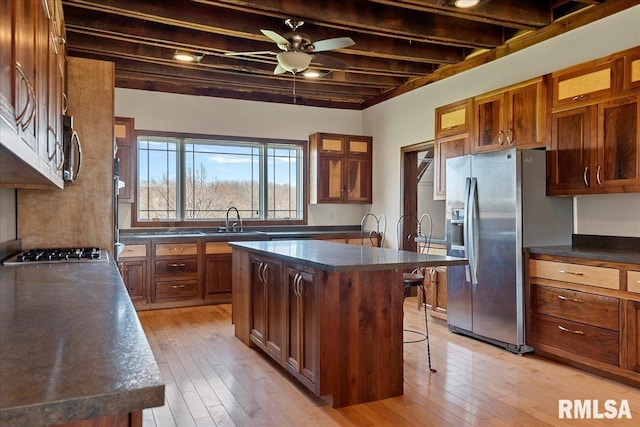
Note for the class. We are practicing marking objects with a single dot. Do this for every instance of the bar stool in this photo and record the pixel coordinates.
(380, 231)
(415, 279)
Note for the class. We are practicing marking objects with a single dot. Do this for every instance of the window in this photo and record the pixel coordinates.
(184, 179)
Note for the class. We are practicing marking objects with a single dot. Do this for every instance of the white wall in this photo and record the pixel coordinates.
(218, 116)
(398, 122)
(409, 118)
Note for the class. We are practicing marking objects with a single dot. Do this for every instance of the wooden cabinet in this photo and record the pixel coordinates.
(126, 155)
(595, 149)
(175, 271)
(217, 272)
(340, 168)
(31, 85)
(583, 83)
(595, 127)
(453, 127)
(633, 335)
(268, 308)
(580, 312)
(511, 117)
(446, 148)
(303, 325)
(133, 268)
(134, 276)
(435, 284)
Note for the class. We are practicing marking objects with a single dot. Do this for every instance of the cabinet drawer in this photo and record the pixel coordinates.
(633, 281)
(602, 277)
(583, 340)
(177, 289)
(217, 248)
(131, 251)
(591, 309)
(173, 267)
(169, 249)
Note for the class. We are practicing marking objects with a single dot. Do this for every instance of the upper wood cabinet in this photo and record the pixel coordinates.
(583, 83)
(595, 149)
(454, 118)
(126, 153)
(512, 117)
(31, 85)
(453, 127)
(340, 168)
(631, 79)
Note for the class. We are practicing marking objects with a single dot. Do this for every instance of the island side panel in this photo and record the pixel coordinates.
(365, 351)
(241, 294)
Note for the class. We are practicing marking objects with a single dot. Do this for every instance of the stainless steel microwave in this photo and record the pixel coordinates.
(72, 150)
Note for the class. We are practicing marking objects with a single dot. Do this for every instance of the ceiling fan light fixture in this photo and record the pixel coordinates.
(463, 4)
(294, 62)
(184, 56)
(314, 73)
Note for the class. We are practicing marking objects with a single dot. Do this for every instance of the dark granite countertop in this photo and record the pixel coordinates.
(71, 346)
(602, 248)
(133, 236)
(339, 257)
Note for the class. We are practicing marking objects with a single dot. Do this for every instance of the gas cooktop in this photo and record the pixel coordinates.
(57, 255)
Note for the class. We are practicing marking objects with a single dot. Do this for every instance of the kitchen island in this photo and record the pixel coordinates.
(72, 348)
(329, 313)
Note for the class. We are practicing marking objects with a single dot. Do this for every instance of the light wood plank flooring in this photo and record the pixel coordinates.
(214, 380)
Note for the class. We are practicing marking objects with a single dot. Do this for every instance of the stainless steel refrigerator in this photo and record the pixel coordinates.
(497, 205)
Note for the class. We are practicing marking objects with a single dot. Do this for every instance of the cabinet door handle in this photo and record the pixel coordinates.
(177, 249)
(580, 97)
(260, 272)
(61, 148)
(182, 264)
(563, 298)
(570, 272)
(563, 329)
(585, 176)
(598, 176)
(500, 137)
(509, 136)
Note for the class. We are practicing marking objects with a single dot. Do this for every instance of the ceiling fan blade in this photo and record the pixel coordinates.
(330, 62)
(275, 37)
(279, 69)
(257, 52)
(331, 44)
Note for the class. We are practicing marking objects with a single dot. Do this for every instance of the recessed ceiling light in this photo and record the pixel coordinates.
(466, 3)
(184, 56)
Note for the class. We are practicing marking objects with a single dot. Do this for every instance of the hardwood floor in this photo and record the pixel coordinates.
(214, 380)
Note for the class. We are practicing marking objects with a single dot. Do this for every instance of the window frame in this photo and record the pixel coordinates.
(304, 144)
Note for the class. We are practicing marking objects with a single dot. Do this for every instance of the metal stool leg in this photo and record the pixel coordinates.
(426, 325)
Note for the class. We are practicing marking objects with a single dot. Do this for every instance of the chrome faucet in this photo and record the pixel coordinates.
(235, 224)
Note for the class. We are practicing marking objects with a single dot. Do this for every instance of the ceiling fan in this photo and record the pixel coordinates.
(297, 50)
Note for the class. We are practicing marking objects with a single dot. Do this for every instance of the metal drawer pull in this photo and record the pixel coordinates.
(177, 265)
(178, 286)
(177, 249)
(571, 272)
(562, 297)
(563, 329)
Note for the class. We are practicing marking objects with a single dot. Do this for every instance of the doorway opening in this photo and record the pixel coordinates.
(417, 171)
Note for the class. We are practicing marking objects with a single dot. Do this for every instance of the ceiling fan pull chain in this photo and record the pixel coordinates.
(294, 87)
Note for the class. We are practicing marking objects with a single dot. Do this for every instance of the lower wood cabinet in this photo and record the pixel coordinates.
(584, 312)
(303, 331)
(633, 335)
(175, 271)
(217, 272)
(134, 276)
(268, 309)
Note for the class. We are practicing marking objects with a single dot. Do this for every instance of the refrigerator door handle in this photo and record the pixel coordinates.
(473, 233)
(466, 228)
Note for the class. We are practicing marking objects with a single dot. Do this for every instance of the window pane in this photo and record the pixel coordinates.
(220, 175)
(157, 179)
(284, 178)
